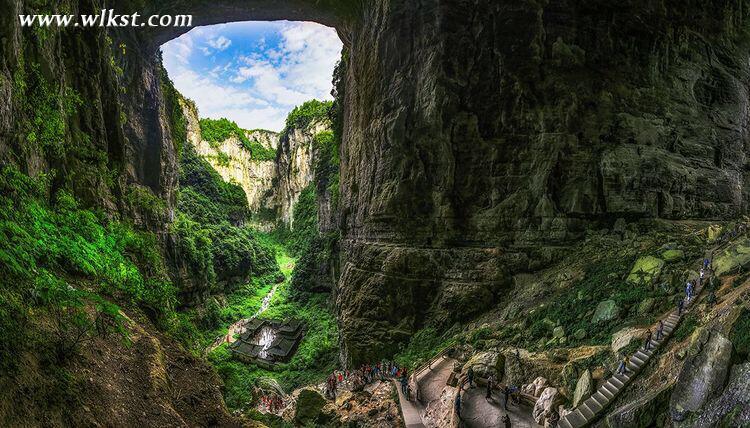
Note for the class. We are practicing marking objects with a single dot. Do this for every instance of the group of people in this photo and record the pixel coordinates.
(366, 374)
(272, 403)
(690, 289)
(506, 391)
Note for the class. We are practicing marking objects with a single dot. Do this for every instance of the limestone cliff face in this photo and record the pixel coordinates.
(481, 137)
(235, 163)
(295, 163)
(272, 186)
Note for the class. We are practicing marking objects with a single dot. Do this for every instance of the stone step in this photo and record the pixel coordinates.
(593, 405)
(617, 384)
(585, 411)
(609, 389)
(600, 398)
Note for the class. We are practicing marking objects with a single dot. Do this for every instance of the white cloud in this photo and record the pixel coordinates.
(259, 88)
(219, 43)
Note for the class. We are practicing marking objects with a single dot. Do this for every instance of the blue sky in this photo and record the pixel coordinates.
(253, 72)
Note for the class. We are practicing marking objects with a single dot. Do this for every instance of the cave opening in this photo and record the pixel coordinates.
(258, 168)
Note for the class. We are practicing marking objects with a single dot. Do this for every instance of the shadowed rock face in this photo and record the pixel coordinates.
(480, 137)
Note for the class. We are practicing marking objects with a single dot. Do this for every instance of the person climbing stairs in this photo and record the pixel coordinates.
(593, 407)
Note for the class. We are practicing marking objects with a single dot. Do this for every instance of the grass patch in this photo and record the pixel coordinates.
(740, 335)
(687, 326)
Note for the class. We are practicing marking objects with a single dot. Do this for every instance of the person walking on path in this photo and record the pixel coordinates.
(457, 404)
(647, 345)
(660, 330)
(404, 384)
(490, 384)
(680, 306)
(506, 421)
(506, 397)
(689, 290)
(470, 377)
(623, 367)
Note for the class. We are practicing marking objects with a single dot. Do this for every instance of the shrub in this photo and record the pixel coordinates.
(302, 115)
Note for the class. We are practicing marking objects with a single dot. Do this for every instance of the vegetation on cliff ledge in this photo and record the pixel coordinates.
(217, 131)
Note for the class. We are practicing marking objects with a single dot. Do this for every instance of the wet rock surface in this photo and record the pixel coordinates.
(703, 374)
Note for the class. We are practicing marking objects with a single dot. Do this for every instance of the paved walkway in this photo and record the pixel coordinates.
(409, 409)
(479, 412)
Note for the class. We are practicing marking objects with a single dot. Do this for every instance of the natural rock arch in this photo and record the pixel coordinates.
(480, 138)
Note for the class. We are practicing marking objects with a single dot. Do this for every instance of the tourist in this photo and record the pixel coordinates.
(490, 384)
(680, 306)
(404, 384)
(506, 421)
(457, 404)
(623, 367)
(660, 330)
(470, 377)
(647, 345)
(689, 290)
(705, 263)
(506, 396)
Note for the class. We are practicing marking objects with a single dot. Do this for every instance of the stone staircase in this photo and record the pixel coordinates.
(593, 407)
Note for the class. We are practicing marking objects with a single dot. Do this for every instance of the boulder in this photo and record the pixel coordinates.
(732, 258)
(606, 310)
(713, 233)
(702, 375)
(645, 270)
(584, 388)
(545, 404)
(309, 409)
(558, 332)
(580, 334)
(672, 255)
(485, 364)
(732, 407)
(624, 337)
(535, 388)
(646, 306)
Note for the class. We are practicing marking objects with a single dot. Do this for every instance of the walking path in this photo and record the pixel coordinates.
(593, 407)
(479, 412)
(410, 410)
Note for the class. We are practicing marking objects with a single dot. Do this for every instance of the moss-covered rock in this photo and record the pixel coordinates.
(309, 409)
(672, 255)
(606, 310)
(732, 258)
(645, 270)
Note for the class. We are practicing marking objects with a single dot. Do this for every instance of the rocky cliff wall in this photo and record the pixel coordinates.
(295, 164)
(234, 162)
(272, 186)
(481, 137)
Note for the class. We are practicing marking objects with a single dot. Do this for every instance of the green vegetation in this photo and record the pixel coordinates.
(62, 267)
(316, 356)
(687, 326)
(303, 115)
(598, 284)
(740, 335)
(177, 121)
(208, 239)
(424, 345)
(217, 131)
(204, 195)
